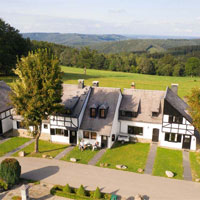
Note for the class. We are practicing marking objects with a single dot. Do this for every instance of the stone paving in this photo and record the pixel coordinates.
(186, 166)
(36, 192)
(151, 159)
(63, 153)
(97, 157)
(19, 148)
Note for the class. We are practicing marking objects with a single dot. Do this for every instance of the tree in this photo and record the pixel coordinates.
(194, 103)
(12, 45)
(38, 90)
(192, 67)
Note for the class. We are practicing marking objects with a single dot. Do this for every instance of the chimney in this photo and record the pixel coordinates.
(81, 83)
(95, 83)
(132, 85)
(174, 88)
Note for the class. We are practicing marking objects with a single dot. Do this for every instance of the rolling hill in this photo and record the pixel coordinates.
(143, 45)
(73, 39)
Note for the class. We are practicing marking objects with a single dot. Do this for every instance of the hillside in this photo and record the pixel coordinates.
(73, 39)
(143, 45)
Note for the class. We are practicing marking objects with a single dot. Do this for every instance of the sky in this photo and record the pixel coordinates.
(146, 17)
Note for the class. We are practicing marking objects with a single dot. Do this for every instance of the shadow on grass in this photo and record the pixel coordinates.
(74, 76)
(46, 151)
(41, 173)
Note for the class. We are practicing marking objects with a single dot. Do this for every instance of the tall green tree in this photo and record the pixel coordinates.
(38, 90)
(194, 103)
(192, 67)
(12, 45)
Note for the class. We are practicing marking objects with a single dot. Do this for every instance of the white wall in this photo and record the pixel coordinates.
(44, 130)
(60, 139)
(147, 128)
(115, 124)
(83, 108)
(7, 124)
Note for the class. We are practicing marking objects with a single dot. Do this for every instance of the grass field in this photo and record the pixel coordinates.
(134, 156)
(123, 80)
(82, 156)
(45, 147)
(168, 159)
(195, 164)
(12, 144)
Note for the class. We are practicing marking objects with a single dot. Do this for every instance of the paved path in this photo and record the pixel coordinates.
(151, 159)
(19, 148)
(126, 184)
(63, 153)
(97, 157)
(186, 166)
(4, 140)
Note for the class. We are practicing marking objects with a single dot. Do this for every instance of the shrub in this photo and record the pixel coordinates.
(3, 185)
(16, 198)
(97, 193)
(10, 171)
(56, 188)
(67, 189)
(81, 191)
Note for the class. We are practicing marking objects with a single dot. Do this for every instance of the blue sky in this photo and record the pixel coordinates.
(155, 17)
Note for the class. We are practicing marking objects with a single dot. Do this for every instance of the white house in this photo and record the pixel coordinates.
(157, 116)
(100, 120)
(5, 108)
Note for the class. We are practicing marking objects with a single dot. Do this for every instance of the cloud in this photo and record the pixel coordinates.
(117, 11)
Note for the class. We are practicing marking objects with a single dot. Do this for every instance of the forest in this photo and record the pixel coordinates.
(177, 61)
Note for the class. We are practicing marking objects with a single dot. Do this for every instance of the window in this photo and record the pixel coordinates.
(102, 113)
(128, 114)
(20, 125)
(173, 137)
(175, 119)
(86, 134)
(93, 135)
(61, 132)
(135, 130)
(89, 135)
(45, 126)
(92, 112)
(155, 114)
(113, 138)
(68, 111)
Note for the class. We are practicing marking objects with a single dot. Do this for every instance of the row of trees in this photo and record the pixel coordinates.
(164, 65)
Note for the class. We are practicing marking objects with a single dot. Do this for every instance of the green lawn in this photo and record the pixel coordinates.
(167, 159)
(82, 156)
(45, 148)
(123, 80)
(12, 144)
(134, 156)
(195, 164)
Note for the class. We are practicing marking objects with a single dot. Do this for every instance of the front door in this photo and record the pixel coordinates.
(1, 131)
(155, 135)
(186, 141)
(73, 137)
(104, 141)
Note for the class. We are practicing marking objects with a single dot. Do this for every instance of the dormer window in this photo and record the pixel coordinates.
(155, 114)
(93, 110)
(103, 110)
(68, 111)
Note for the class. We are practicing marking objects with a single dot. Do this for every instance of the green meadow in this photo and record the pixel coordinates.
(123, 80)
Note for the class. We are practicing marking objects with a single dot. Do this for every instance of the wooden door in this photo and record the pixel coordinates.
(186, 141)
(104, 141)
(155, 135)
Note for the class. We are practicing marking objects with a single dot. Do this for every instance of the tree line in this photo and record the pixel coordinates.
(180, 61)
